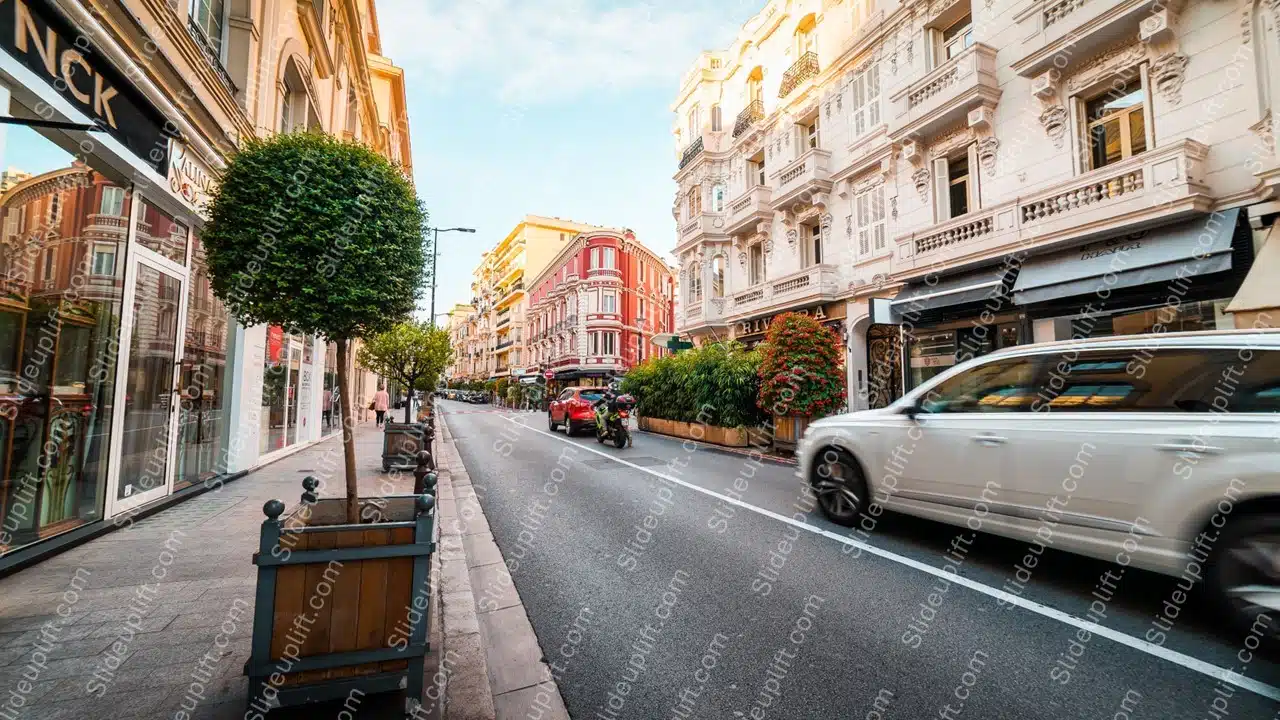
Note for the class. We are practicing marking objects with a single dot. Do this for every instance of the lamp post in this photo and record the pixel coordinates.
(435, 252)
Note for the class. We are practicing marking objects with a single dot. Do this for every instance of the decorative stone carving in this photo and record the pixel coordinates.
(793, 238)
(742, 259)
(1105, 64)
(987, 148)
(893, 206)
(920, 178)
(768, 246)
(1054, 122)
(952, 141)
(1263, 129)
(718, 304)
(1168, 73)
(848, 226)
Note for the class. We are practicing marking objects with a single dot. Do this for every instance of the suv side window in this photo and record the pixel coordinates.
(1173, 380)
(565, 395)
(1007, 385)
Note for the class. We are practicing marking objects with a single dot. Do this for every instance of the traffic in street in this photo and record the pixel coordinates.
(672, 580)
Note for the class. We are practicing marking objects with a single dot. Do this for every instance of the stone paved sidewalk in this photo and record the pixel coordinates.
(65, 651)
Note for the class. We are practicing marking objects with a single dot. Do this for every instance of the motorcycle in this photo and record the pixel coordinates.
(611, 421)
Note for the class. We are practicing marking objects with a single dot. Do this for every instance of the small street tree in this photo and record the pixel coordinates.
(801, 368)
(411, 353)
(320, 236)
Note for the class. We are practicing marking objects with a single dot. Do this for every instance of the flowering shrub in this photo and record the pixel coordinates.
(801, 368)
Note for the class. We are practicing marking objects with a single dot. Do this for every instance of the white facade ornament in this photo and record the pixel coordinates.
(1106, 64)
(793, 238)
(1168, 73)
(987, 148)
(1263, 129)
(920, 178)
(1054, 121)
(949, 143)
(1157, 26)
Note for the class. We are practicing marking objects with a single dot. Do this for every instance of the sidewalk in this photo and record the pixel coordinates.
(154, 621)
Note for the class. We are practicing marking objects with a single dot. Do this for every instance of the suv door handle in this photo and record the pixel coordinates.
(1187, 445)
(989, 439)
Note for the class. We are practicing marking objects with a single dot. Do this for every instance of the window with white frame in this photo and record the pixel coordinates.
(112, 201)
(718, 192)
(1116, 126)
(716, 122)
(695, 123)
(595, 258)
(755, 170)
(609, 343)
(609, 301)
(956, 184)
(610, 258)
(807, 135)
(870, 216)
(694, 201)
(104, 261)
(956, 38)
(209, 17)
(811, 240)
(865, 100)
(717, 276)
(755, 263)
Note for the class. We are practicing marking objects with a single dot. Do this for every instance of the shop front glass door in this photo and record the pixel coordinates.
(150, 399)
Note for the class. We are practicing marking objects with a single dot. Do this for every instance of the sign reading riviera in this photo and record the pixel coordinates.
(49, 46)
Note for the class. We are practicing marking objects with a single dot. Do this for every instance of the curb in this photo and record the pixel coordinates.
(763, 457)
(491, 663)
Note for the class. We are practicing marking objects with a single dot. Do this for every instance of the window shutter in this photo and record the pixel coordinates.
(864, 225)
(975, 195)
(941, 191)
(877, 197)
(873, 96)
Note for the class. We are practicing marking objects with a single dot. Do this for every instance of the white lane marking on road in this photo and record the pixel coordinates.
(1173, 656)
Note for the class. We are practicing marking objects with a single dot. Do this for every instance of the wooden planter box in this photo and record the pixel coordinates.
(713, 434)
(341, 607)
(401, 443)
(787, 431)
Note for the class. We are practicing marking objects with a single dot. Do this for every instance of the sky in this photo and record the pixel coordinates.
(545, 107)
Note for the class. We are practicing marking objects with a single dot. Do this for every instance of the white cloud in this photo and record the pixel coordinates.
(533, 51)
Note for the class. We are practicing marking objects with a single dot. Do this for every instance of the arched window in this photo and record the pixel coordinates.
(755, 85)
(695, 282)
(296, 110)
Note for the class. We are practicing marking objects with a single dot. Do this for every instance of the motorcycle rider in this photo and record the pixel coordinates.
(604, 405)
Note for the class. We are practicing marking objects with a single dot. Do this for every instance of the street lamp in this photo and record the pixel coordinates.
(435, 251)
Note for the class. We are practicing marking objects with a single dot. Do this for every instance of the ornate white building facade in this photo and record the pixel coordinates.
(972, 174)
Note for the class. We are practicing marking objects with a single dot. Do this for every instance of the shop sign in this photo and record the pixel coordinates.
(49, 46)
(821, 313)
(189, 178)
(925, 361)
(1125, 244)
(275, 343)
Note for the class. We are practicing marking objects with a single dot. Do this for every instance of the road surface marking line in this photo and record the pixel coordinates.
(1173, 656)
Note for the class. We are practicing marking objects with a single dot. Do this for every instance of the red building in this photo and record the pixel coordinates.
(595, 307)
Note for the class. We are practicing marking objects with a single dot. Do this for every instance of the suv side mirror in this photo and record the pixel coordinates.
(915, 408)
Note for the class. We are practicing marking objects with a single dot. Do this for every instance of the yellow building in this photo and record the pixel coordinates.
(500, 299)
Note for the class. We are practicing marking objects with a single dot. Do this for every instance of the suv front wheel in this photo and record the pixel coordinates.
(839, 486)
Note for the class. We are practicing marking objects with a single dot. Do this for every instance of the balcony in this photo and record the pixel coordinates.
(817, 283)
(750, 115)
(503, 345)
(1154, 188)
(945, 96)
(701, 225)
(692, 151)
(748, 209)
(801, 70)
(1074, 30)
(808, 174)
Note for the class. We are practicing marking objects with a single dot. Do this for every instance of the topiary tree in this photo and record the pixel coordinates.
(321, 236)
(801, 368)
(412, 353)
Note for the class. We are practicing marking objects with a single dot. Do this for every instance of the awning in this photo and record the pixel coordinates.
(954, 290)
(1198, 247)
(1261, 287)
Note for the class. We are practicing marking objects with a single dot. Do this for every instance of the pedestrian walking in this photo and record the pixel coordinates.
(379, 405)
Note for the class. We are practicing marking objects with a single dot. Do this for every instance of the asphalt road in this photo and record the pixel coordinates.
(669, 580)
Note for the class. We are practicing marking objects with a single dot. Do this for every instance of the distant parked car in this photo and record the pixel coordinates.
(1158, 450)
(573, 410)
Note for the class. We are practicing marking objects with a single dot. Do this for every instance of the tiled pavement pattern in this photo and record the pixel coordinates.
(196, 557)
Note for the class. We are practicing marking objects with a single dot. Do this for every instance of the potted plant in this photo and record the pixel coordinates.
(326, 237)
(414, 354)
(801, 375)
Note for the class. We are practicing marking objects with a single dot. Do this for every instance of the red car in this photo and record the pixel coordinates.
(573, 409)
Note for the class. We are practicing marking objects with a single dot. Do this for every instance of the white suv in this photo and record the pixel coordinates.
(1161, 450)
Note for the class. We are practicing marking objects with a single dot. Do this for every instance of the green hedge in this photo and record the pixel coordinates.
(715, 384)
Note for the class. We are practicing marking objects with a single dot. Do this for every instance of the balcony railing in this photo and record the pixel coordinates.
(1156, 187)
(809, 173)
(816, 282)
(504, 344)
(750, 115)
(946, 94)
(1055, 11)
(803, 69)
(748, 209)
(691, 152)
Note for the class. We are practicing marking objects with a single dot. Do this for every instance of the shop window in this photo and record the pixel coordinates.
(755, 258)
(112, 201)
(871, 224)
(956, 186)
(160, 233)
(1116, 124)
(865, 101)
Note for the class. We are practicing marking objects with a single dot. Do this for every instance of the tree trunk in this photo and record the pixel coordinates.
(348, 433)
